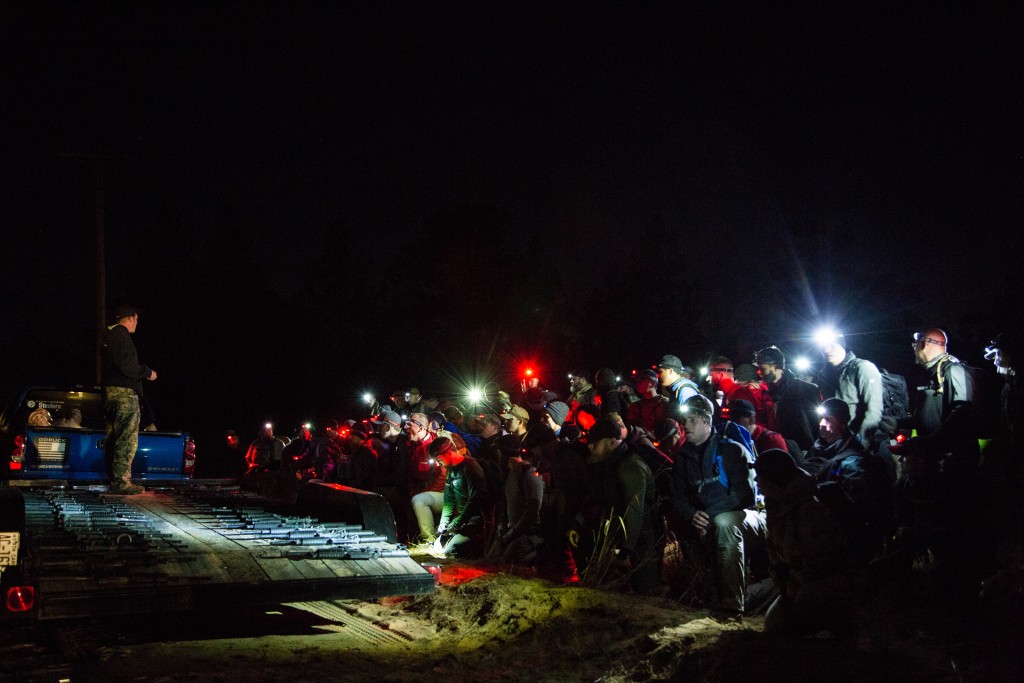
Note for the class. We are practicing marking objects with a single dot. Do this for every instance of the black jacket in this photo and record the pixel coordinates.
(794, 403)
(121, 366)
(865, 477)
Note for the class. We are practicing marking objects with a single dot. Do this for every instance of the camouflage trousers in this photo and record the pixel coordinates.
(122, 413)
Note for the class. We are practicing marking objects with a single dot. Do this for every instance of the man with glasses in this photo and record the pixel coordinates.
(722, 377)
(424, 475)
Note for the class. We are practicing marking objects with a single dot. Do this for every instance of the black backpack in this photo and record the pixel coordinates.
(895, 401)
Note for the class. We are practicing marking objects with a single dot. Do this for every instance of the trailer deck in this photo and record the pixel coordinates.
(195, 548)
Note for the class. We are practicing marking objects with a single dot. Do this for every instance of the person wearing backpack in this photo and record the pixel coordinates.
(945, 422)
(674, 382)
(713, 498)
(856, 382)
(944, 413)
(865, 477)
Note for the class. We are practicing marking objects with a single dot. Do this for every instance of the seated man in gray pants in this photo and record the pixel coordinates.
(713, 498)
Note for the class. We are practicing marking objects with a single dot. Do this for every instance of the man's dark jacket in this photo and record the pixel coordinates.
(121, 366)
(713, 477)
(795, 401)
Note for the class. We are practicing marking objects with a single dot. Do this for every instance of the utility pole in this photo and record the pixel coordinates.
(100, 164)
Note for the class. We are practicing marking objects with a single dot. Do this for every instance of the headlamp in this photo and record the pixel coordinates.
(826, 336)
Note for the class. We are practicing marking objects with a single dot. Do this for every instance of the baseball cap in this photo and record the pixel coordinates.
(741, 408)
(489, 418)
(671, 362)
(387, 416)
(516, 411)
(126, 311)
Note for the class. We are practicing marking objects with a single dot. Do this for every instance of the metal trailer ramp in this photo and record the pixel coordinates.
(202, 548)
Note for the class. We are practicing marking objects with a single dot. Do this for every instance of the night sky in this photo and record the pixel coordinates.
(310, 199)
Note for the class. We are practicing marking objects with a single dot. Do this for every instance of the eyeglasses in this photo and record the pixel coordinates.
(920, 343)
(721, 369)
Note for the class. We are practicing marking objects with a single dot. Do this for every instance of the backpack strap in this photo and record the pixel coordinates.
(944, 364)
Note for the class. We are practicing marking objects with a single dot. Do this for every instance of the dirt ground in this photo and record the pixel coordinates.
(481, 625)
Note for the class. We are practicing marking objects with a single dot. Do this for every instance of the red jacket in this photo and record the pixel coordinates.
(765, 439)
(425, 473)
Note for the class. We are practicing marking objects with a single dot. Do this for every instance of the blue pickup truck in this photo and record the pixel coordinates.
(59, 434)
(69, 549)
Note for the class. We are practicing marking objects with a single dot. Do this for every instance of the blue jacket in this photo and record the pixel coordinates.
(714, 477)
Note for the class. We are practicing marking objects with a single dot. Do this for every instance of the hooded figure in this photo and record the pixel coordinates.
(808, 554)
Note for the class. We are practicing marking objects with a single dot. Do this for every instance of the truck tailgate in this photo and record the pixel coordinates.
(91, 554)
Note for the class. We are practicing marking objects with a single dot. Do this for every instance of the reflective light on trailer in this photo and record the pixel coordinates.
(20, 598)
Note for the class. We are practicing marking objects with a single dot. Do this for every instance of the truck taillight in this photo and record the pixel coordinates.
(18, 454)
(20, 598)
(190, 457)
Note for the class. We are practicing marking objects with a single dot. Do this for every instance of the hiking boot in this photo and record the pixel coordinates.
(126, 490)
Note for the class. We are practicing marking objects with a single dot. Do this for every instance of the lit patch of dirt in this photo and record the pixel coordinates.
(501, 627)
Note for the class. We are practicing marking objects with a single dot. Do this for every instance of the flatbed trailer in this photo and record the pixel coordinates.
(206, 545)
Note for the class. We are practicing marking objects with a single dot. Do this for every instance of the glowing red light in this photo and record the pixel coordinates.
(21, 598)
(529, 372)
(19, 449)
(436, 570)
(454, 576)
(900, 438)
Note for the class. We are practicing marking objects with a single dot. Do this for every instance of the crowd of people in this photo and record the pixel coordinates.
(781, 487)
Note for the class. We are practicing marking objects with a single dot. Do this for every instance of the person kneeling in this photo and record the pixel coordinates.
(460, 532)
(809, 557)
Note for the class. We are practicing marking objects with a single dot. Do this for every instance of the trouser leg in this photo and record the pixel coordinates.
(122, 418)
(425, 505)
(736, 534)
